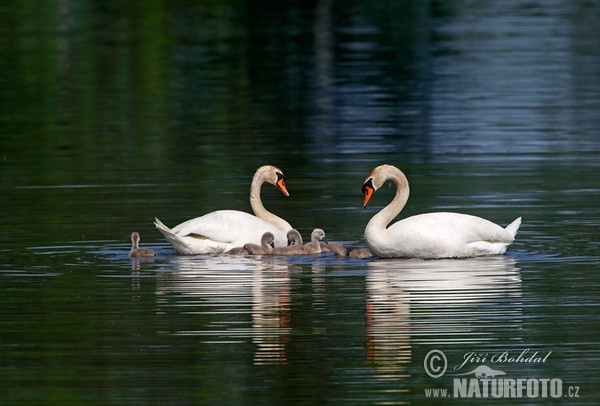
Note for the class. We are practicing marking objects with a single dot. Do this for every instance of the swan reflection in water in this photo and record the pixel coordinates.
(440, 303)
(231, 286)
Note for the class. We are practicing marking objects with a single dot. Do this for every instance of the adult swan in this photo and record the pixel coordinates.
(219, 231)
(430, 235)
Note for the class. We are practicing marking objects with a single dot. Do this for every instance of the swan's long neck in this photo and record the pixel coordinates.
(135, 242)
(266, 244)
(379, 222)
(314, 241)
(259, 209)
(295, 236)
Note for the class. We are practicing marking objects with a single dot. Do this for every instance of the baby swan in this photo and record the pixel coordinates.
(314, 247)
(265, 247)
(336, 248)
(136, 251)
(294, 237)
(237, 251)
(294, 241)
(360, 253)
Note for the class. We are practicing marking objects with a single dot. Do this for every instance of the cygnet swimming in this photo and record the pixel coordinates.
(265, 247)
(314, 247)
(136, 251)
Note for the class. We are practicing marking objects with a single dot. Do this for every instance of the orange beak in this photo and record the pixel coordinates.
(281, 186)
(368, 191)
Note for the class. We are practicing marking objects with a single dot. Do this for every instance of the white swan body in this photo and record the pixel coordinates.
(219, 231)
(431, 235)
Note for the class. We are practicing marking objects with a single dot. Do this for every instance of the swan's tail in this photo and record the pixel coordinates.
(176, 241)
(164, 230)
(514, 227)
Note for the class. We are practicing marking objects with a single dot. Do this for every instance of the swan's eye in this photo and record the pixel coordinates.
(281, 183)
(367, 185)
(368, 190)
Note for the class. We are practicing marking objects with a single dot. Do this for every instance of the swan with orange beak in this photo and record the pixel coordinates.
(430, 235)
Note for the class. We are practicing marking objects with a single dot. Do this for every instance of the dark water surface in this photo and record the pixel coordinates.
(112, 115)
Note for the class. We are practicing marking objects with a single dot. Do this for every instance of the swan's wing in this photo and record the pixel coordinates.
(443, 235)
(230, 226)
(445, 226)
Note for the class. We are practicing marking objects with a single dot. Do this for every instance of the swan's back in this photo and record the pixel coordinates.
(297, 250)
(336, 248)
(360, 253)
(446, 235)
(234, 227)
(290, 250)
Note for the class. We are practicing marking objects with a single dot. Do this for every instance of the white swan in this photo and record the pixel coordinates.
(219, 231)
(431, 235)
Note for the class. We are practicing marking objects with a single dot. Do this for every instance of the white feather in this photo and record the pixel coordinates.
(430, 235)
(219, 231)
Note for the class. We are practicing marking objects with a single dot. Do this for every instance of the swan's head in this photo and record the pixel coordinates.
(319, 235)
(135, 237)
(274, 176)
(294, 237)
(378, 176)
(368, 189)
(268, 238)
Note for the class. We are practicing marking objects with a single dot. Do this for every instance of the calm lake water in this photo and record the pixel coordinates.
(111, 115)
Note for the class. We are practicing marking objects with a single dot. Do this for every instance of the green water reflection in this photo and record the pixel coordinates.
(112, 114)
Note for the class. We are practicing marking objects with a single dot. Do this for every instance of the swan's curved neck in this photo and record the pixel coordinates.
(259, 209)
(380, 221)
(314, 242)
(296, 237)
